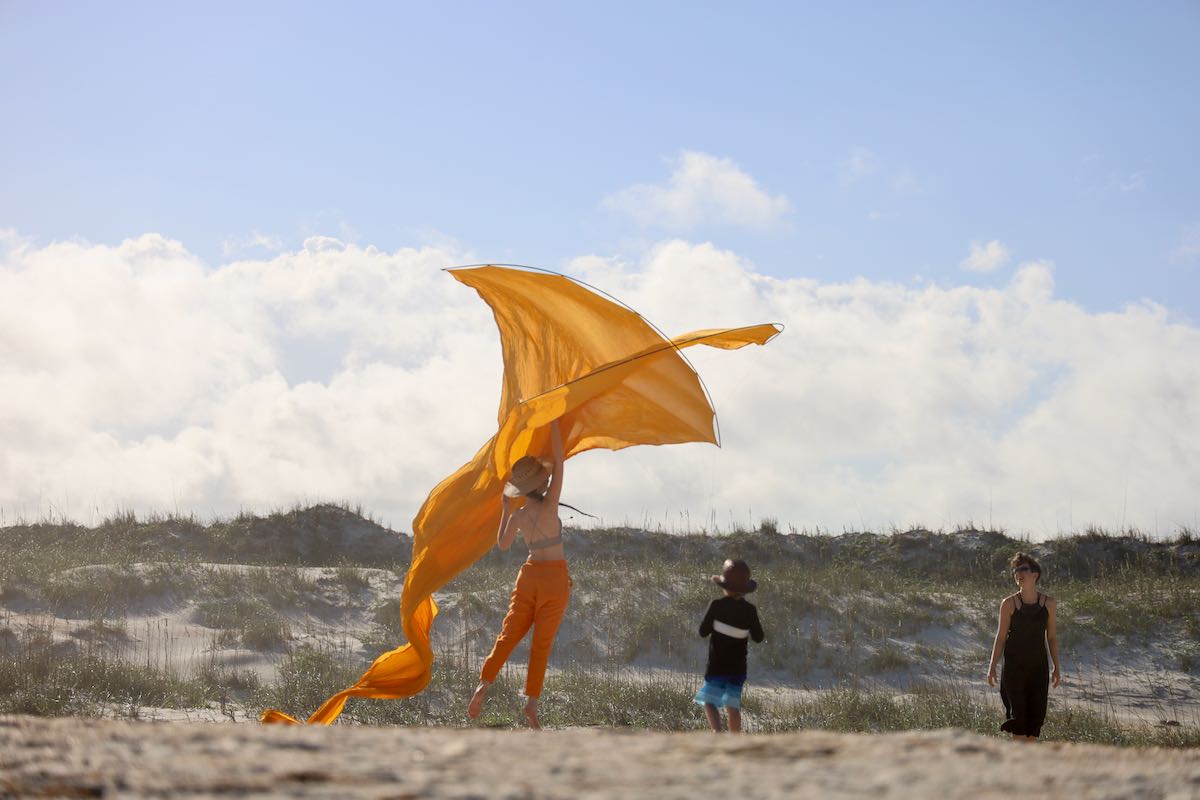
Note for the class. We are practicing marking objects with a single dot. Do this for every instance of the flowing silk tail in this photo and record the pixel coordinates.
(398, 673)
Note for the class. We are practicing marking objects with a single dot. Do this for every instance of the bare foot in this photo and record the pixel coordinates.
(531, 716)
(475, 707)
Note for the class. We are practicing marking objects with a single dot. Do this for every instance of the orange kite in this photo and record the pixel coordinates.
(569, 354)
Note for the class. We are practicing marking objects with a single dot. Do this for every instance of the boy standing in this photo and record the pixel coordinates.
(729, 622)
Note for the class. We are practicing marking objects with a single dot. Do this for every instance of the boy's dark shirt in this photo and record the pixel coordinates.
(727, 654)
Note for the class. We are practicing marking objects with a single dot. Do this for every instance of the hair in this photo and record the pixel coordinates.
(1024, 558)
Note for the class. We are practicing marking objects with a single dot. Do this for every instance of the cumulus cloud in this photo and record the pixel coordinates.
(985, 257)
(702, 190)
(136, 377)
(888, 405)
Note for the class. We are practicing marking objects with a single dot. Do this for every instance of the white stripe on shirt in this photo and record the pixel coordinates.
(729, 630)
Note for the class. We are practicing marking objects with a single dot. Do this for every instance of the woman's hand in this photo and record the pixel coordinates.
(1055, 678)
(991, 676)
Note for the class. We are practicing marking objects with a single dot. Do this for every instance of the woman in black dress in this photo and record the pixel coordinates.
(1026, 630)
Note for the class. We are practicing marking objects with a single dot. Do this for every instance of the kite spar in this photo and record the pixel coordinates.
(569, 354)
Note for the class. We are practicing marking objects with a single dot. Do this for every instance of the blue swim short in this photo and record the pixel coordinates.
(722, 691)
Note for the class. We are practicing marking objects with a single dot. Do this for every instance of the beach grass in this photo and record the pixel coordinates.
(865, 632)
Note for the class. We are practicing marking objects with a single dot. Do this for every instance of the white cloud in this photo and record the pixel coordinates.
(135, 378)
(906, 183)
(985, 257)
(1134, 182)
(1188, 248)
(862, 167)
(926, 405)
(702, 190)
(859, 164)
(254, 242)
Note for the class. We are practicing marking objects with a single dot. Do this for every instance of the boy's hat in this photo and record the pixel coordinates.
(528, 473)
(735, 577)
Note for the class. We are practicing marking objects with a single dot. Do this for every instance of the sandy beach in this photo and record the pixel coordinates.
(103, 758)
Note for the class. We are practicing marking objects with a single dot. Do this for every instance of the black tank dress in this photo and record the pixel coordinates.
(1025, 681)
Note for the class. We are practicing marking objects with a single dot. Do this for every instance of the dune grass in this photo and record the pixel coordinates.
(918, 607)
(38, 677)
(579, 696)
(43, 676)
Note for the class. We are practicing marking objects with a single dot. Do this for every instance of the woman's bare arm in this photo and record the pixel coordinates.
(1052, 637)
(507, 532)
(998, 645)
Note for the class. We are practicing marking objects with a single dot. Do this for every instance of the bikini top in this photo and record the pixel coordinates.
(542, 544)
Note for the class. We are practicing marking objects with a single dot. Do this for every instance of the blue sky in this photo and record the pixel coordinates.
(898, 133)
(222, 227)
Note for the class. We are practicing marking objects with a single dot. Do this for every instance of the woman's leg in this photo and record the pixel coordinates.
(475, 707)
(553, 594)
(516, 624)
(1013, 695)
(553, 591)
(531, 714)
(735, 719)
(1037, 696)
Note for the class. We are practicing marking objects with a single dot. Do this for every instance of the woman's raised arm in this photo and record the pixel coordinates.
(507, 532)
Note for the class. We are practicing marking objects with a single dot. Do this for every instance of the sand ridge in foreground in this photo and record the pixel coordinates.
(105, 758)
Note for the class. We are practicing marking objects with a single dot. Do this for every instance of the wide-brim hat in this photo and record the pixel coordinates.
(527, 474)
(735, 577)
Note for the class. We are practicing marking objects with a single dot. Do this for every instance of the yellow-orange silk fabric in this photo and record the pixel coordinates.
(569, 354)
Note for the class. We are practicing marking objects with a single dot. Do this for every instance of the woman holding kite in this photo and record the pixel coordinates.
(543, 586)
(606, 359)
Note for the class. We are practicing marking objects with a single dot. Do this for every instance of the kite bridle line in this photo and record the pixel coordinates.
(671, 345)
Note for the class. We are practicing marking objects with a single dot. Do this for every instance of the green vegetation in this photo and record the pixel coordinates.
(323, 535)
(885, 626)
(657, 700)
(933, 706)
(41, 676)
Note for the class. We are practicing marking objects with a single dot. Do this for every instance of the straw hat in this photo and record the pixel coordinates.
(735, 576)
(527, 474)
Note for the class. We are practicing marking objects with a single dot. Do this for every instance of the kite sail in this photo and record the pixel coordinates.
(570, 354)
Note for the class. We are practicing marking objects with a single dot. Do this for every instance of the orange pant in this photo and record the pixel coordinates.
(539, 599)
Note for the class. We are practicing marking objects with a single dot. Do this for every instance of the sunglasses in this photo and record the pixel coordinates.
(1022, 568)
